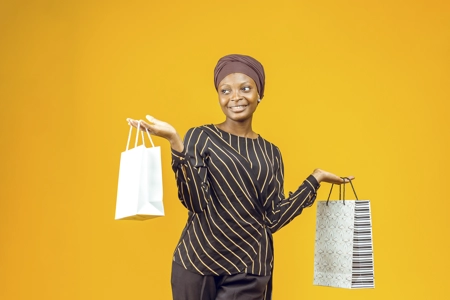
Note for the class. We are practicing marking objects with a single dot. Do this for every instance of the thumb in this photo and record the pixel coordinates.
(151, 119)
(349, 178)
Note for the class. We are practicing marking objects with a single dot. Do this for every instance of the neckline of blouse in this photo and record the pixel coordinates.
(231, 134)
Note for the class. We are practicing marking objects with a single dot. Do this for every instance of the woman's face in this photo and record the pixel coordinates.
(238, 96)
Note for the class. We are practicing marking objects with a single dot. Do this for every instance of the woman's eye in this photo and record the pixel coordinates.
(225, 92)
(246, 89)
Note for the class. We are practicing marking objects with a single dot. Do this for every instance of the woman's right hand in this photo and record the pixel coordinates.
(161, 129)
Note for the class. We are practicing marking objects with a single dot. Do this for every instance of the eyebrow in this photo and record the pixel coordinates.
(243, 82)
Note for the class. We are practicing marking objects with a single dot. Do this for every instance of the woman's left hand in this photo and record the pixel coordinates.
(324, 176)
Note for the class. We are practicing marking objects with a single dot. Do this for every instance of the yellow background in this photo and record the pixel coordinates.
(354, 87)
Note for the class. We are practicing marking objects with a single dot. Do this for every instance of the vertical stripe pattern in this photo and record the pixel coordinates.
(233, 189)
(362, 268)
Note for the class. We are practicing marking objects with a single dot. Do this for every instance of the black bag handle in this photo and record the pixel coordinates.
(342, 197)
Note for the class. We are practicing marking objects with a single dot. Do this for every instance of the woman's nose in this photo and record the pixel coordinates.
(235, 95)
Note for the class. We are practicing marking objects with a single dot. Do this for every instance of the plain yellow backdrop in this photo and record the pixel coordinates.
(354, 87)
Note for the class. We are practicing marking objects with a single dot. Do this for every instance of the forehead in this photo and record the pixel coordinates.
(236, 78)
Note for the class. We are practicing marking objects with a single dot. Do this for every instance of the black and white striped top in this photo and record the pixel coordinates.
(233, 189)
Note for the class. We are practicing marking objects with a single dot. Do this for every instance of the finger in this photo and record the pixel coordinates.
(347, 179)
(132, 122)
(144, 125)
(152, 119)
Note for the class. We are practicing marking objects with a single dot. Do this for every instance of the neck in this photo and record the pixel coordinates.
(243, 129)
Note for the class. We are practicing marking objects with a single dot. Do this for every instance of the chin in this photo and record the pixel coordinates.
(239, 119)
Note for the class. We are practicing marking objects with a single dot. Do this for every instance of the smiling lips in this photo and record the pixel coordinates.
(238, 108)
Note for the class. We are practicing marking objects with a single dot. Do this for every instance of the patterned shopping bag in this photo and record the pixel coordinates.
(343, 254)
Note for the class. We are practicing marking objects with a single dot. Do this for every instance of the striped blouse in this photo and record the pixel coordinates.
(233, 189)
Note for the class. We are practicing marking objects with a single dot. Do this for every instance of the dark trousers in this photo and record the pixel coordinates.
(191, 286)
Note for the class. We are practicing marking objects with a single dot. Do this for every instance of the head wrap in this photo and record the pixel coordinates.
(237, 63)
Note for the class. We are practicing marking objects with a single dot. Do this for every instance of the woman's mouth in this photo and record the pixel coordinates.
(238, 108)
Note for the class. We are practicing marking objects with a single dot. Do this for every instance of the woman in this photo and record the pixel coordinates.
(231, 181)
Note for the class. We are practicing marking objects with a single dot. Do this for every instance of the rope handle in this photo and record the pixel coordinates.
(342, 196)
(137, 136)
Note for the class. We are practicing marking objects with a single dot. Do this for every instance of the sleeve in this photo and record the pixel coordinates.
(284, 210)
(191, 171)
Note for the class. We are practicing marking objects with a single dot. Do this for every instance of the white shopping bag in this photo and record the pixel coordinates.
(140, 191)
(343, 254)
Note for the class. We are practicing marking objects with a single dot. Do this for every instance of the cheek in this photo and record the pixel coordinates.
(222, 104)
(222, 101)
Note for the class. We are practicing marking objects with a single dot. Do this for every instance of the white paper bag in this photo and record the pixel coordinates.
(140, 191)
(343, 254)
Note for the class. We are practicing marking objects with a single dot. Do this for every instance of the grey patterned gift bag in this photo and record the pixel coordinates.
(343, 254)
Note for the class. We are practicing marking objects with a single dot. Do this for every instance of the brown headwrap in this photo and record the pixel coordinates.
(238, 63)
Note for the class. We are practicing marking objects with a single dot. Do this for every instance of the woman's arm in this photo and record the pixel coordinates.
(284, 210)
(191, 171)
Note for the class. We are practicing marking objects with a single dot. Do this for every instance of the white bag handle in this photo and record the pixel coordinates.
(137, 136)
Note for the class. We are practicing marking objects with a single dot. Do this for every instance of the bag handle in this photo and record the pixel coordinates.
(137, 136)
(342, 197)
